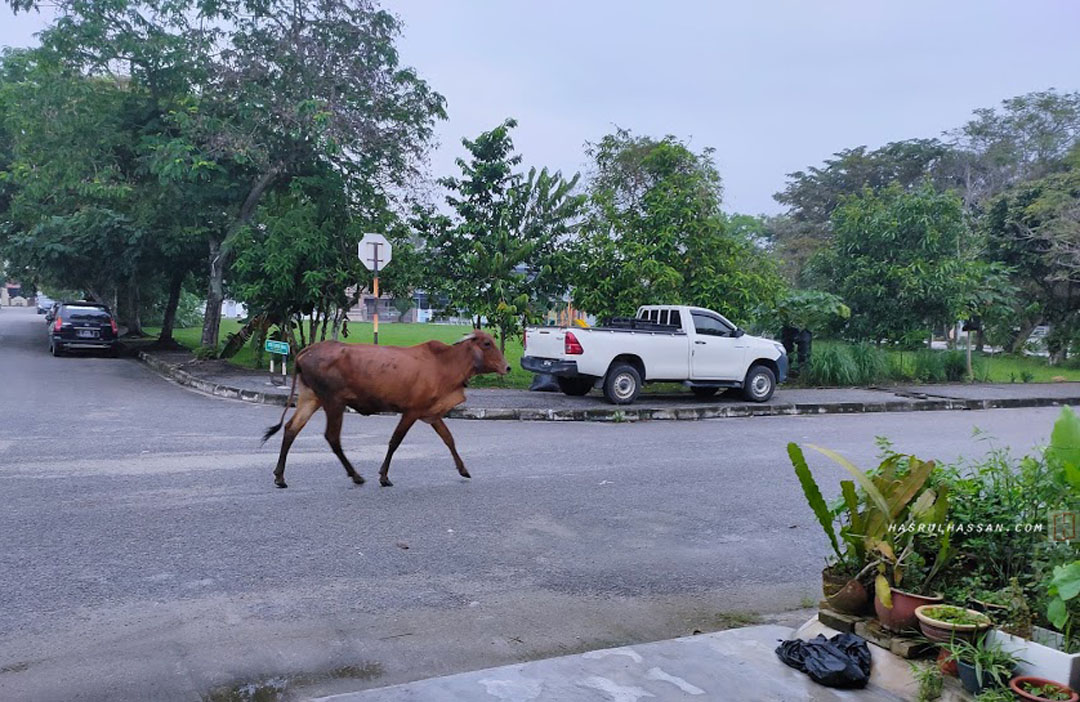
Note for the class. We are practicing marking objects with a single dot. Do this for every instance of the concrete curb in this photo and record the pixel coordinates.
(638, 414)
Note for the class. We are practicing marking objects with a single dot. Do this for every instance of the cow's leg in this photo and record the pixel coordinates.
(444, 431)
(306, 405)
(407, 420)
(334, 415)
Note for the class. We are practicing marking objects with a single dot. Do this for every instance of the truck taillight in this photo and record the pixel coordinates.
(59, 322)
(115, 331)
(571, 346)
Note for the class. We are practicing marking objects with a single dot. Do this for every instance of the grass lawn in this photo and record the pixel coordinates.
(390, 334)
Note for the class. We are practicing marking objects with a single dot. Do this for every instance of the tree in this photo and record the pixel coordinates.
(1027, 138)
(502, 256)
(1034, 229)
(812, 196)
(897, 259)
(655, 232)
(256, 93)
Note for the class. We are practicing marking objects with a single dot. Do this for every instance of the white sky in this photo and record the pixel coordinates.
(774, 86)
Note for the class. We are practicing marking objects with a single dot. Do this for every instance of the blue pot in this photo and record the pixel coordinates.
(970, 681)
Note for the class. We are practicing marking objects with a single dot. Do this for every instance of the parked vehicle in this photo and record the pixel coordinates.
(50, 315)
(661, 343)
(82, 325)
(44, 303)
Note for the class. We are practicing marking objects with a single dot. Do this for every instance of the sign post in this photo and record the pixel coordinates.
(375, 252)
(278, 347)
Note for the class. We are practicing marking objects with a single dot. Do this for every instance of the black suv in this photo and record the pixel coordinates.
(82, 325)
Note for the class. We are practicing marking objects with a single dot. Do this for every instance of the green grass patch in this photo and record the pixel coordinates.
(390, 334)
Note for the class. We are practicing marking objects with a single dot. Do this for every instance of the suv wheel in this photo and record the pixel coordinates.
(760, 384)
(622, 384)
(56, 348)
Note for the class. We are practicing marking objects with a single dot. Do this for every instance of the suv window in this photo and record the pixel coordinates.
(87, 312)
(709, 325)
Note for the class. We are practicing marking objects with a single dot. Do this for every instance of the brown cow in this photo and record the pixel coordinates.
(421, 382)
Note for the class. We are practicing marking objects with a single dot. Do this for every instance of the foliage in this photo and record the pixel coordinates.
(654, 232)
(809, 309)
(1049, 691)
(993, 665)
(929, 679)
(894, 259)
(951, 614)
(503, 256)
(879, 515)
(832, 365)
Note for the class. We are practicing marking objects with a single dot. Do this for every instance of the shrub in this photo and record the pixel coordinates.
(832, 364)
(954, 363)
(928, 366)
(871, 364)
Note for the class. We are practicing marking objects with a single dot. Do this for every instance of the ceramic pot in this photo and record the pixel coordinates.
(944, 632)
(1015, 686)
(902, 615)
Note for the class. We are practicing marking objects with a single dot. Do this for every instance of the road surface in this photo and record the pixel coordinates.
(147, 555)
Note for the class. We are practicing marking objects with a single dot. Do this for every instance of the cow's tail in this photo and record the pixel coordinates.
(288, 401)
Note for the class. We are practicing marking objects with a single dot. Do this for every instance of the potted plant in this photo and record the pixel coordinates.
(944, 623)
(981, 664)
(844, 580)
(1042, 690)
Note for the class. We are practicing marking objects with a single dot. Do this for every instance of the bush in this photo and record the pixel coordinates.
(928, 366)
(832, 364)
(871, 364)
(954, 364)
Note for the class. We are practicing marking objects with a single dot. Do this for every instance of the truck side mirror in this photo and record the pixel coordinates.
(738, 333)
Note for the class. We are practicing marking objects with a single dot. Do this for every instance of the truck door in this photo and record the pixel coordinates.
(716, 354)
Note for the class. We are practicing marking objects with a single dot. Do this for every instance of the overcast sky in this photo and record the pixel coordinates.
(773, 86)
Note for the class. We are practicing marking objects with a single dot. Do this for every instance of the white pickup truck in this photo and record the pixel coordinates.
(662, 343)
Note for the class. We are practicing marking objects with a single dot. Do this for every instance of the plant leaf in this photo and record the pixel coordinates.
(1067, 580)
(813, 494)
(1065, 444)
(884, 592)
(1057, 613)
(864, 481)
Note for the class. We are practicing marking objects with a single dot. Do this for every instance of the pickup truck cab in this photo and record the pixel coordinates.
(661, 343)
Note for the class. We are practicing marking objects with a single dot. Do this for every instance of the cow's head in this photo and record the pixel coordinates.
(487, 358)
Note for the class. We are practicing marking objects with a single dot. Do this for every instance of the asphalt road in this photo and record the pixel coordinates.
(147, 555)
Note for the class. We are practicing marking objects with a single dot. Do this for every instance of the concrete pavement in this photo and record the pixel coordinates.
(147, 555)
(739, 664)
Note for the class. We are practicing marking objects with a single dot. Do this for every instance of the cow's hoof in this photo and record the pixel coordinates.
(464, 473)
(385, 482)
(359, 480)
(280, 484)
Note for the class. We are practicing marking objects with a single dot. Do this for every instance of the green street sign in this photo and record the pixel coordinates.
(281, 347)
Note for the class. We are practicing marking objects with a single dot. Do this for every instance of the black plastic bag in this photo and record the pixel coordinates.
(842, 661)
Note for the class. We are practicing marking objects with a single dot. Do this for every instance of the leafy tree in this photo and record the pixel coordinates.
(655, 233)
(501, 256)
(1034, 229)
(257, 93)
(812, 196)
(1027, 138)
(897, 259)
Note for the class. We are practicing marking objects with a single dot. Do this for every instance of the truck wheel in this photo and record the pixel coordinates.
(622, 384)
(704, 391)
(760, 384)
(575, 387)
(56, 348)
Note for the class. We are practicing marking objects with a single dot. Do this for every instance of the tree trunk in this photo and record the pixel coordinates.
(215, 295)
(176, 284)
(502, 339)
(1025, 331)
(134, 323)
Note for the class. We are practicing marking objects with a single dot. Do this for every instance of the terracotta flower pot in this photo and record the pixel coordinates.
(1015, 686)
(943, 631)
(902, 615)
(945, 664)
(844, 594)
